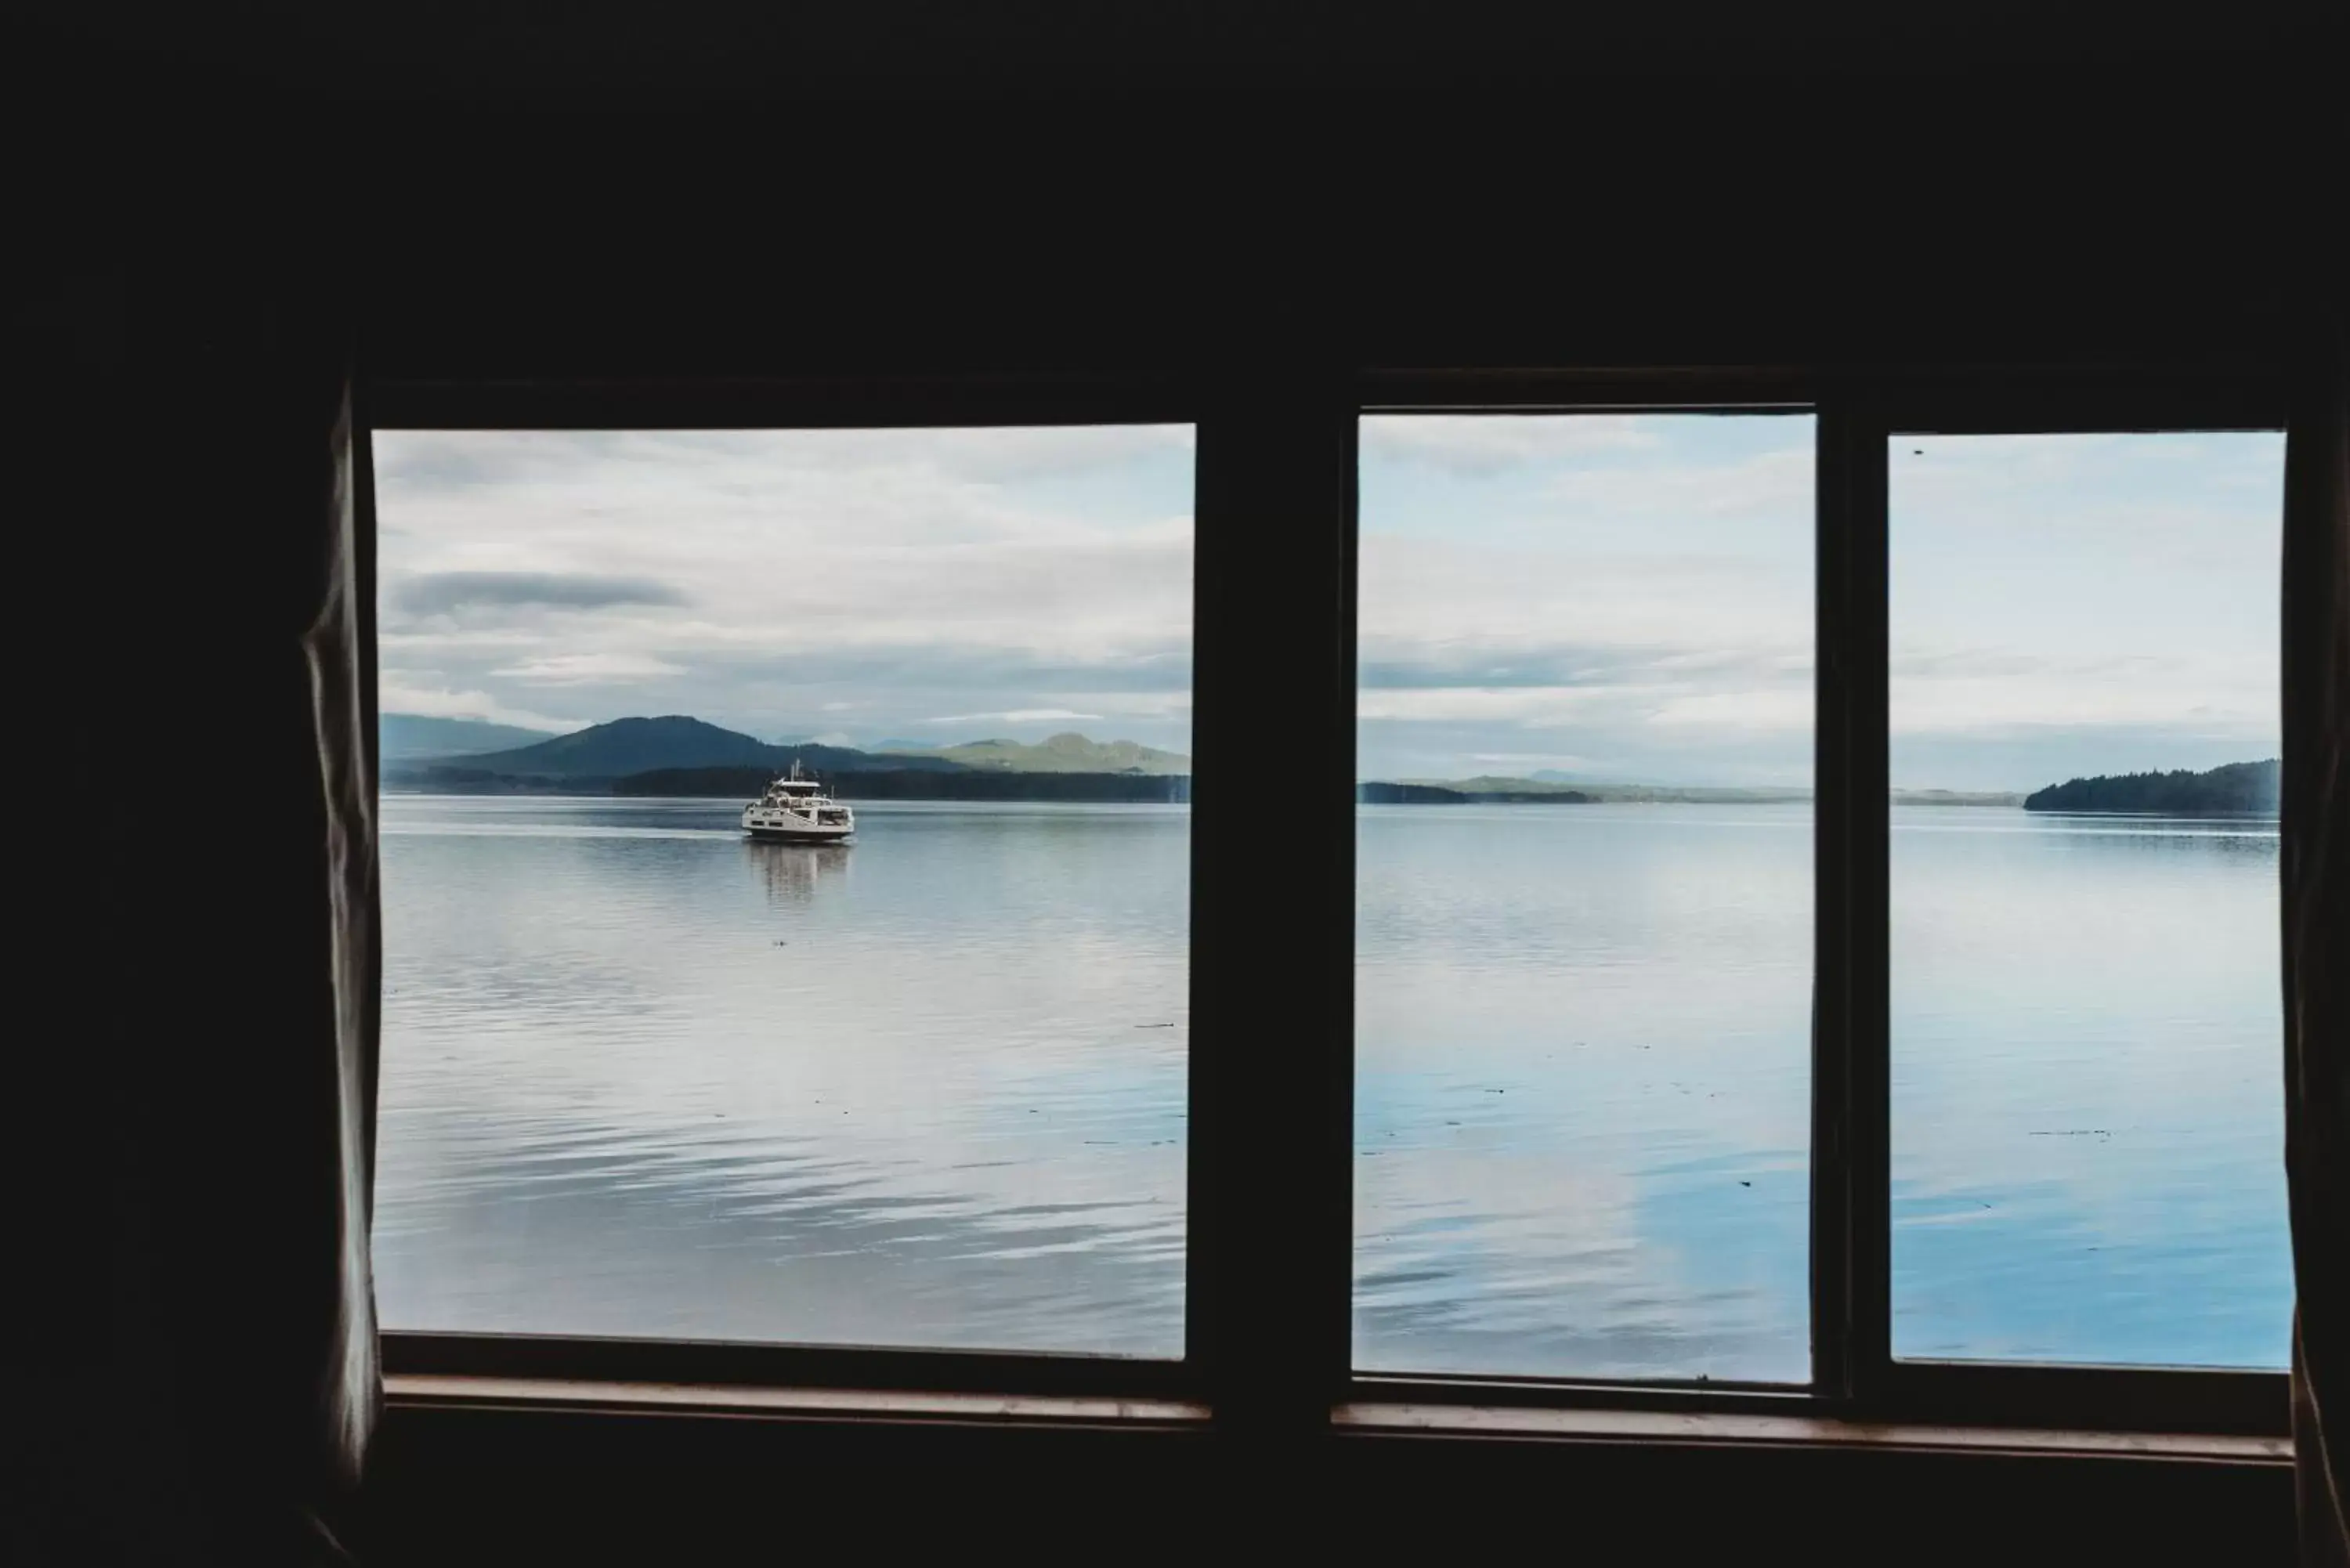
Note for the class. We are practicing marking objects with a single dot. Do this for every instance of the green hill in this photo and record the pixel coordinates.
(1062, 753)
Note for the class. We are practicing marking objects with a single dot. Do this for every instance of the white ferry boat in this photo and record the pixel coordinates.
(796, 810)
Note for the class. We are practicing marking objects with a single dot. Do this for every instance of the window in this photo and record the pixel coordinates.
(1630, 971)
(1583, 895)
(2088, 1120)
(646, 1074)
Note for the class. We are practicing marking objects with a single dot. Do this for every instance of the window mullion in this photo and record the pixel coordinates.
(1851, 1277)
(1273, 902)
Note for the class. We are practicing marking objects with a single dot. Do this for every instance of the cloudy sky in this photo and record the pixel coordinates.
(2082, 603)
(1611, 597)
(1620, 596)
(855, 586)
(1629, 598)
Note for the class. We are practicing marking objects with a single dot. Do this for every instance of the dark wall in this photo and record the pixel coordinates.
(214, 202)
(1612, 221)
(501, 1488)
(1197, 190)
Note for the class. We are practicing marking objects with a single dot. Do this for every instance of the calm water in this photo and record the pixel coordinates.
(641, 1077)
(1583, 1095)
(2089, 1091)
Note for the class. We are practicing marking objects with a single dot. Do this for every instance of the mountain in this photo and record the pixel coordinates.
(673, 745)
(626, 746)
(403, 737)
(630, 746)
(894, 783)
(2237, 789)
(671, 741)
(1064, 753)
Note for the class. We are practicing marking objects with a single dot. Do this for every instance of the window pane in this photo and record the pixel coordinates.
(2088, 1118)
(1583, 896)
(645, 1074)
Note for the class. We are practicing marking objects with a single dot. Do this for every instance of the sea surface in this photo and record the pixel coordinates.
(641, 1077)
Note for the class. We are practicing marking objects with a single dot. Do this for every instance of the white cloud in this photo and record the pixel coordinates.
(1533, 706)
(395, 697)
(764, 579)
(1017, 716)
(1775, 484)
(1530, 759)
(1486, 443)
(2057, 697)
(1171, 705)
(1625, 593)
(583, 669)
(1781, 708)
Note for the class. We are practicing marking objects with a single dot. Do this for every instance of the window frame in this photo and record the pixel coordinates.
(700, 404)
(2155, 399)
(1760, 393)
(1857, 414)
(1269, 1162)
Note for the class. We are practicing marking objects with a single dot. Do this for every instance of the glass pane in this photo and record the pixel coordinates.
(1583, 896)
(899, 1057)
(2087, 1113)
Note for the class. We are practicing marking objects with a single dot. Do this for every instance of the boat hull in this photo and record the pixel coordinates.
(801, 835)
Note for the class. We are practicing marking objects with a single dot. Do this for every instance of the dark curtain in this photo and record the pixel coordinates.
(2316, 876)
(260, 1047)
(193, 844)
(340, 646)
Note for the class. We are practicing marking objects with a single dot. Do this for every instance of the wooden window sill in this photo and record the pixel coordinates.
(1713, 1427)
(434, 1391)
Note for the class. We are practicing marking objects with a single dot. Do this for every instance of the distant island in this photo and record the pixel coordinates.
(922, 784)
(1541, 790)
(1067, 754)
(1468, 791)
(676, 755)
(1958, 797)
(2237, 789)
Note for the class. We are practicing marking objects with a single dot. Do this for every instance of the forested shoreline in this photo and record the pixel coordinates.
(2237, 789)
(748, 783)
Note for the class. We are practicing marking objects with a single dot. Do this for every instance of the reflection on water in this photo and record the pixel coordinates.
(791, 871)
(1582, 1090)
(2088, 1121)
(643, 1077)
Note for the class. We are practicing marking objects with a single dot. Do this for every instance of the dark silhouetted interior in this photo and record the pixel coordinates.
(1259, 216)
